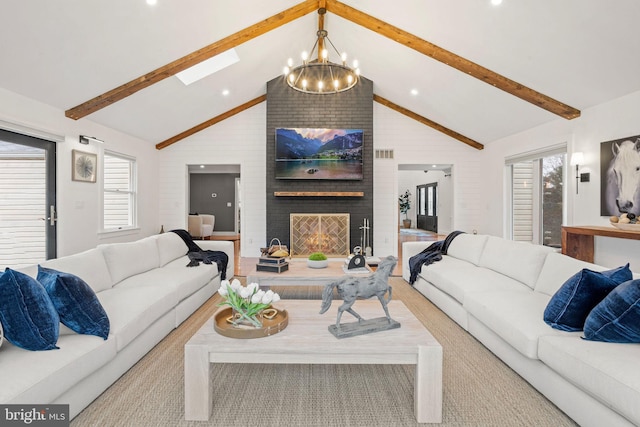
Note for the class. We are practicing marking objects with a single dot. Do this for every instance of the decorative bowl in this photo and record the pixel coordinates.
(318, 264)
(626, 227)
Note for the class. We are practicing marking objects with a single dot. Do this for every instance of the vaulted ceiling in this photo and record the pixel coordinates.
(551, 58)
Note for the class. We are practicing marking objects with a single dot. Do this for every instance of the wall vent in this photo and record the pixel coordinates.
(384, 154)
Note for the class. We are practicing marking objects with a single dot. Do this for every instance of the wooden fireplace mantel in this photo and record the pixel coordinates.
(318, 193)
(577, 242)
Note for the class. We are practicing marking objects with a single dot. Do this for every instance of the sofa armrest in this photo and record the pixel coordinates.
(410, 249)
(224, 246)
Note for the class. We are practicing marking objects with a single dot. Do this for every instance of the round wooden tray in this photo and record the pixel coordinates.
(269, 326)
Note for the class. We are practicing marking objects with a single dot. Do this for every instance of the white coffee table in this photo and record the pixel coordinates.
(299, 274)
(306, 340)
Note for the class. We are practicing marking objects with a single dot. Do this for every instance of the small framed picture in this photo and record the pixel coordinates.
(83, 166)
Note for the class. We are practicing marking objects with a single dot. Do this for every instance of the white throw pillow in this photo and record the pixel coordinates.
(89, 265)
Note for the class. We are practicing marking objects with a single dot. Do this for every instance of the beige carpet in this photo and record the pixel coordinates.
(479, 390)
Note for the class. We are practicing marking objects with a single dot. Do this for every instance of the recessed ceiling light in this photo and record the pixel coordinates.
(225, 92)
(201, 166)
(152, 2)
(434, 166)
(496, 2)
(414, 92)
(208, 67)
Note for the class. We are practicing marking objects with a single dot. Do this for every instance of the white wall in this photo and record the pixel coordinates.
(79, 203)
(415, 143)
(605, 122)
(237, 140)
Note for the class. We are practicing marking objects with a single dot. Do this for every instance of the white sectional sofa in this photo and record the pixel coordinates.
(497, 290)
(145, 289)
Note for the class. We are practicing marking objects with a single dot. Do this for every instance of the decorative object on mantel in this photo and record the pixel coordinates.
(619, 160)
(247, 303)
(404, 203)
(350, 289)
(317, 260)
(321, 76)
(84, 166)
(275, 249)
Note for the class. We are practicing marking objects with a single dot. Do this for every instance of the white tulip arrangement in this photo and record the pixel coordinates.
(247, 301)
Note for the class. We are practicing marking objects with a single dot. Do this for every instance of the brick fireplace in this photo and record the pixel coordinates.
(287, 108)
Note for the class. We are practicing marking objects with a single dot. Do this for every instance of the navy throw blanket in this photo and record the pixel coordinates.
(430, 255)
(196, 254)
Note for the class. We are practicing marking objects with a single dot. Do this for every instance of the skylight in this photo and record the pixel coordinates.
(208, 67)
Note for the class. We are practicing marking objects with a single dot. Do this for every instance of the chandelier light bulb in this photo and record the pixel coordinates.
(290, 62)
(320, 85)
(349, 79)
(325, 54)
(305, 56)
(357, 71)
(286, 71)
(304, 83)
(355, 63)
(336, 84)
(291, 77)
(344, 58)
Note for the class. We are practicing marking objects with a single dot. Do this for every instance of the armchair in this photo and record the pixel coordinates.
(201, 226)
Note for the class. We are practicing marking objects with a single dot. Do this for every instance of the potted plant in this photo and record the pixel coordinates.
(404, 202)
(317, 260)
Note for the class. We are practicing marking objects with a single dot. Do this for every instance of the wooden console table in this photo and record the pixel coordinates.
(577, 242)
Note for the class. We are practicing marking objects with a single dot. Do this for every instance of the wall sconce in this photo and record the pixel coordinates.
(577, 159)
(84, 139)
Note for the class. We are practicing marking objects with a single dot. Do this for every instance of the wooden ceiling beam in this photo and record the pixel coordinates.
(430, 123)
(211, 122)
(249, 33)
(452, 60)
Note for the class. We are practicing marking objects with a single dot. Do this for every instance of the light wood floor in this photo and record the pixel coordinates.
(245, 265)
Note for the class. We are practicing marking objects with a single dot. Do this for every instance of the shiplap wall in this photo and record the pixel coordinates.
(22, 204)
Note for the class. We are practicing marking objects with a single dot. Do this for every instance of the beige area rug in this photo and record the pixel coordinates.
(479, 390)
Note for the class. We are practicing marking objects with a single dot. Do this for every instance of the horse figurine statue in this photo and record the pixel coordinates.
(351, 288)
(622, 193)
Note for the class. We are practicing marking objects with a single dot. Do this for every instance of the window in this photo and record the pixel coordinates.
(119, 200)
(537, 196)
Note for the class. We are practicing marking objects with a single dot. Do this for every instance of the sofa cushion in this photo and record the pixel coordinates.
(28, 316)
(467, 247)
(604, 370)
(515, 316)
(170, 247)
(557, 269)
(518, 260)
(569, 307)
(40, 377)
(90, 266)
(75, 301)
(132, 310)
(457, 278)
(617, 317)
(126, 259)
(184, 280)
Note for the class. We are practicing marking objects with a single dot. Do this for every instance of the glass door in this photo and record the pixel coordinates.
(427, 217)
(27, 200)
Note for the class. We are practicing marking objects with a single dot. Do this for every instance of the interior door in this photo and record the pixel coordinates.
(27, 199)
(427, 215)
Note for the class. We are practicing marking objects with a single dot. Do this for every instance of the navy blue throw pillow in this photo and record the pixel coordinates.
(617, 317)
(569, 307)
(77, 304)
(28, 317)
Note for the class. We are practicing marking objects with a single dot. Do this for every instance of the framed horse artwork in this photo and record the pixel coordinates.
(620, 176)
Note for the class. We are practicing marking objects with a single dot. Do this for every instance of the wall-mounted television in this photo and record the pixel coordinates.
(303, 153)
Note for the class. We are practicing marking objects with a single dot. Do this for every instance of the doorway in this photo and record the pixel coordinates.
(27, 199)
(214, 189)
